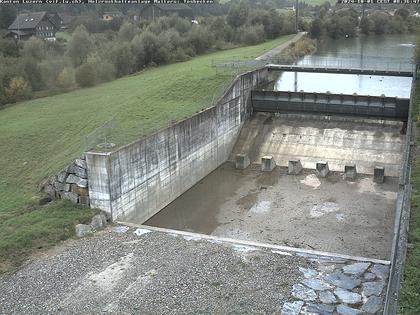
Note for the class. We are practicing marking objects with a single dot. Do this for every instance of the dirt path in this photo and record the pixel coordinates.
(277, 50)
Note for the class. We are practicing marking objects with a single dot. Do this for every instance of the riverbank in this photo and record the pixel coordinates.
(278, 50)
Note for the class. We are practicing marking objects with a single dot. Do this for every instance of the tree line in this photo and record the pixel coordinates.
(91, 57)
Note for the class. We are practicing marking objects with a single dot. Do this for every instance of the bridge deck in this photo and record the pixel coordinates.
(382, 72)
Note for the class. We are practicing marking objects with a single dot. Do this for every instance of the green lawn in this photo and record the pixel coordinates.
(410, 295)
(40, 137)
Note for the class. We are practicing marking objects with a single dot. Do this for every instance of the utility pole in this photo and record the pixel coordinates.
(297, 16)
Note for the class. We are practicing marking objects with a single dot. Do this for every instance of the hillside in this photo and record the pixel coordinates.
(39, 137)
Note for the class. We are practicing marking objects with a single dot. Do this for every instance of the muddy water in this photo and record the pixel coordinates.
(301, 211)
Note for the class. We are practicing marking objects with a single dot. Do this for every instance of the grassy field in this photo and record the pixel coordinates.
(40, 137)
(410, 297)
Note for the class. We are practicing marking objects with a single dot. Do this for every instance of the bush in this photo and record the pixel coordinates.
(86, 75)
(34, 48)
(127, 32)
(66, 78)
(252, 34)
(18, 90)
(200, 39)
(80, 46)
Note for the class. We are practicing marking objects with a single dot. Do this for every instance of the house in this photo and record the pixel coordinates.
(109, 16)
(40, 24)
(65, 20)
(153, 11)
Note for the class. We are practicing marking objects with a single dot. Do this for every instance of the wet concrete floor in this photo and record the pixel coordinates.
(333, 215)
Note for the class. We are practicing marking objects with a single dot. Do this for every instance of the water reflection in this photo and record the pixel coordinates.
(392, 52)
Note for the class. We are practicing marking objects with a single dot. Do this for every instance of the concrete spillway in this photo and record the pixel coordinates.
(336, 140)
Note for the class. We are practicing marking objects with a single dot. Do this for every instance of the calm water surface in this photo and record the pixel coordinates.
(385, 52)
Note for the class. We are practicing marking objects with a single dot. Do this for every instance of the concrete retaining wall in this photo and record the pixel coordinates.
(138, 180)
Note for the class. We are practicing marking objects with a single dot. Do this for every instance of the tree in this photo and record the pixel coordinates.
(316, 29)
(17, 90)
(66, 78)
(238, 15)
(122, 59)
(34, 48)
(403, 12)
(80, 46)
(86, 75)
(7, 15)
(127, 31)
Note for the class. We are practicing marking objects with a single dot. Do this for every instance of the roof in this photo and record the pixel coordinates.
(66, 18)
(27, 20)
(173, 7)
(113, 13)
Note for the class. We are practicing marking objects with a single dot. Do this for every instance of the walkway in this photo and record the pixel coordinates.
(277, 50)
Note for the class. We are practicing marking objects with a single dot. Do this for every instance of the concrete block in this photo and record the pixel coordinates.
(379, 174)
(350, 172)
(242, 161)
(322, 169)
(267, 164)
(295, 167)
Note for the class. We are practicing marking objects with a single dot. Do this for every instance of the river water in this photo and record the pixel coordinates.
(393, 52)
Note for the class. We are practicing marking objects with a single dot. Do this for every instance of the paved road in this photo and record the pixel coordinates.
(275, 51)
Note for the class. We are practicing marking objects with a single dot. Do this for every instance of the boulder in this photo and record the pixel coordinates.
(292, 308)
(345, 310)
(61, 186)
(303, 293)
(61, 177)
(373, 305)
(78, 171)
(74, 198)
(97, 223)
(356, 268)
(347, 296)
(83, 230)
(73, 179)
(80, 163)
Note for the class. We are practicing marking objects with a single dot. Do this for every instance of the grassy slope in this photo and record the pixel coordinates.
(39, 137)
(410, 295)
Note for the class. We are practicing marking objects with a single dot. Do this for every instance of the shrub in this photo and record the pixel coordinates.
(17, 90)
(66, 78)
(252, 34)
(80, 46)
(86, 75)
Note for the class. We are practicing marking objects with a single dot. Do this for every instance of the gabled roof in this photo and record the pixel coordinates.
(66, 18)
(27, 20)
(173, 7)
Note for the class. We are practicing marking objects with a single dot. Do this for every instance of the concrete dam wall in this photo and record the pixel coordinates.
(140, 179)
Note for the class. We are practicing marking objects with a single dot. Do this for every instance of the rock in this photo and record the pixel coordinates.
(356, 268)
(44, 201)
(321, 309)
(381, 271)
(301, 292)
(327, 297)
(373, 288)
(342, 281)
(97, 223)
(316, 284)
(308, 273)
(62, 186)
(80, 163)
(372, 305)
(73, 179)
(370, 276)
(84, 200)
(345, 310)
(83, 230)
(78, 171)
(79, 190)
(74, 198)
(120, 229)
(61, 177)
(347, 296)
(292, 308)
(104, 218)
(49, 189)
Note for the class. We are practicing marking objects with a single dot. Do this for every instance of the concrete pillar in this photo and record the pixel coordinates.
(295, 167)
(379, 174)
(350, 172)
(267, 164)
(322, 169)
(242, 161)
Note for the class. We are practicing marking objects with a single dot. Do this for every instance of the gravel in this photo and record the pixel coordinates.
(154, 273)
